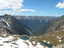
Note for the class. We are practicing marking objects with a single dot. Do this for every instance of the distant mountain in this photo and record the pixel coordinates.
(52, 32)
(52, 25)
(11, 25)
(34, 22)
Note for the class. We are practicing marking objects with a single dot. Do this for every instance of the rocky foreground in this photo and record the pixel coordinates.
(13, 41)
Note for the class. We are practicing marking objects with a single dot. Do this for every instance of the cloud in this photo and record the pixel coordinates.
(11, 4)
(6, 12)
(60, 5)
(15, 7)
(16, 12)
(32, 10)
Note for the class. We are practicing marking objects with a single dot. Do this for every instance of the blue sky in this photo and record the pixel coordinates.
(44, 7)
(33, 7)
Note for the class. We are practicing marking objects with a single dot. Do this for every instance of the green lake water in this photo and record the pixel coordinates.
(26, 38)
(49, 45)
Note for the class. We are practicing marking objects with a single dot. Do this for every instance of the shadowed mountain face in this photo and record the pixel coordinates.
(55, 24)
(34, 22)
(11, 25)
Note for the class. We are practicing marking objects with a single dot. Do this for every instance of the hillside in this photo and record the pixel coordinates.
(53, 32)
(34, 22)
(52, 25)
(11, 25)
(54, 37)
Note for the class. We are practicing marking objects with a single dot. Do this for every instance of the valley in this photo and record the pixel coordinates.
(34, 22)
(49, 35)
(31, 23)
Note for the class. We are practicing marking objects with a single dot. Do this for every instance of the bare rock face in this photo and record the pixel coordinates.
(11, 25)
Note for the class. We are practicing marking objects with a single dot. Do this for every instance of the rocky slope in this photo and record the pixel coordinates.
(11, 25)
(55, 24)
(13, 41)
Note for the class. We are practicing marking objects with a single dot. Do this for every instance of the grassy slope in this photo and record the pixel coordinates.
(52, 37)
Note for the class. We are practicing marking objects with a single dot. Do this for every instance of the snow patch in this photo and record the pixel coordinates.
(60, 40)
(48, 42)
(18, 43)
(39, 46)
(44, 40)
(34, 42)
(57, 36)
(5, 22)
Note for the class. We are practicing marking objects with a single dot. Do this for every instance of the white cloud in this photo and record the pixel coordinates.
(60, 5)
(11, 4)
(32, 10)
(7, 12)
(14, 5)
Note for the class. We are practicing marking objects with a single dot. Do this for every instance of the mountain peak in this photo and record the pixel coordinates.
(6, 15)
(13, 26)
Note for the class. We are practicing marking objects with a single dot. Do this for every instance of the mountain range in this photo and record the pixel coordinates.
(34, 22)
(14, 28)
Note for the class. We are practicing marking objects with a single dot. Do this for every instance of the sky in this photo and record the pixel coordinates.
(32, 7)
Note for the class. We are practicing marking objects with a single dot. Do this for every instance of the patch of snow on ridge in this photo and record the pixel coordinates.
(3, 34)
(39, 46)
(44, 40)
(8, 42)
(5, 22)
(57, 36)
(34, 42)
(60, 40)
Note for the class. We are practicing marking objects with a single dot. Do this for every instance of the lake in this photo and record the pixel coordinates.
(24, 38)
(49, 45)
